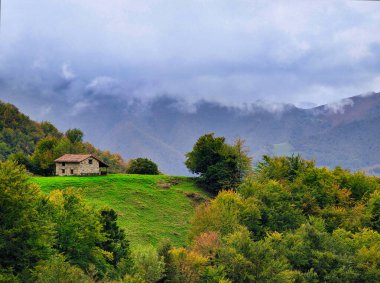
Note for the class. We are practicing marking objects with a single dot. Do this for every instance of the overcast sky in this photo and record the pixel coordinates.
(232, 52)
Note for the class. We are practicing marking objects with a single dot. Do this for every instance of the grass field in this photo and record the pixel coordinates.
(147, 211)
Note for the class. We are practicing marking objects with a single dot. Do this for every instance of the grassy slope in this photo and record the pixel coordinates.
(147, 212)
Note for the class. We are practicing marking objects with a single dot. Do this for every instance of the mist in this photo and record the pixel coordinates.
(74, 54)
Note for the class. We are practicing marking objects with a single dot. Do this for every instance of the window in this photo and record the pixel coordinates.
(71, 171)
(63, 171)
(90, 161)
(63, 163)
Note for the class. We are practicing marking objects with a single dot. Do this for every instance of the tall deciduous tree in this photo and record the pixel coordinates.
(74, 135)
(44, 155)
(220, 165)
(25, 235)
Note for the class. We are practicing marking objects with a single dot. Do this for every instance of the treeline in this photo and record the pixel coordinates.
(41, 162)
(18, 133)
(36, 145)
(289, 221)
(285, 220)
(55, 237)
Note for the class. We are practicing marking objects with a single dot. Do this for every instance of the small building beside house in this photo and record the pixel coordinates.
(79, 165)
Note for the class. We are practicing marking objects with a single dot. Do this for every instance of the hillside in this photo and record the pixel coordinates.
(19, 133)
(148, 208)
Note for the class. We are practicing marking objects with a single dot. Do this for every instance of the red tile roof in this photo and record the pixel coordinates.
(76, 158)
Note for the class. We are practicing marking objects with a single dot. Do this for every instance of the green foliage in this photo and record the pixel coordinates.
(22, 159)
(163, 252)
(148, 265)
(246, 261)
(26, 237)
(292, 222)
(143, 166)
(374, 210)
(50, 148)
(18, 133)
(221, 166)
(221, 215)
(50, 130)
(206, 152)
(41, 143)
(78, 231)
(7, 276)
(283, 167)
(57, 269)
(74, 135)
(44, 156)
(56, 238)
(115, 242)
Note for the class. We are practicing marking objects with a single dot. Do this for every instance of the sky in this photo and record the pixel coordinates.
(75, 53)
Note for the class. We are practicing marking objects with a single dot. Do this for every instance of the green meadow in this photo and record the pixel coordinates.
(150, 208)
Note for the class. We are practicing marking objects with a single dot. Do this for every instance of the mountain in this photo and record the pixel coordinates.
(345, 133)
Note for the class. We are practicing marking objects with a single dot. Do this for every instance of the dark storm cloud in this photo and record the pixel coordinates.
(75, 55)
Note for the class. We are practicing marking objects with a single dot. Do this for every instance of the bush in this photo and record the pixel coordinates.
(57, 269)
(143, 166)
(148, 265)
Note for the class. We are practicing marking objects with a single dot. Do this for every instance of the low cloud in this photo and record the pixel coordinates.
(104, 86)
(340, 106)
(67, 72)
(264, 53)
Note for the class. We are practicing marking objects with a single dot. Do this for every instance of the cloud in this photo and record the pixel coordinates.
(232, 53)
(67, 73)
(340, 106)
(104, 86)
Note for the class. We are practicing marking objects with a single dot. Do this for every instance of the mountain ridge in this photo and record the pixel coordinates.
(344, 133)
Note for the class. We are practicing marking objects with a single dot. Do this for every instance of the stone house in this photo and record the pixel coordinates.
(79, 165)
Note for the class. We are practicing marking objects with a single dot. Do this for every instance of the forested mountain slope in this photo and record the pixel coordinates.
(19, 133)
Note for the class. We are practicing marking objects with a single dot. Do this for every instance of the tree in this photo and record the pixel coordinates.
(44, 155)
(78, 232)
(22, 159)
(26, 236)
(50, 130)
(115, 242)
(148, 265)
(163, 252)
(143, 166)
(374, 209)
(221, 215)
(207, 151)
(220, 165)
(74, 135)
(57, 269)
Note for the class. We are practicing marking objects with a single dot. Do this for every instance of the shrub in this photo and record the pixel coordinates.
(143, 166)
(57, 269)
(148, 265)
